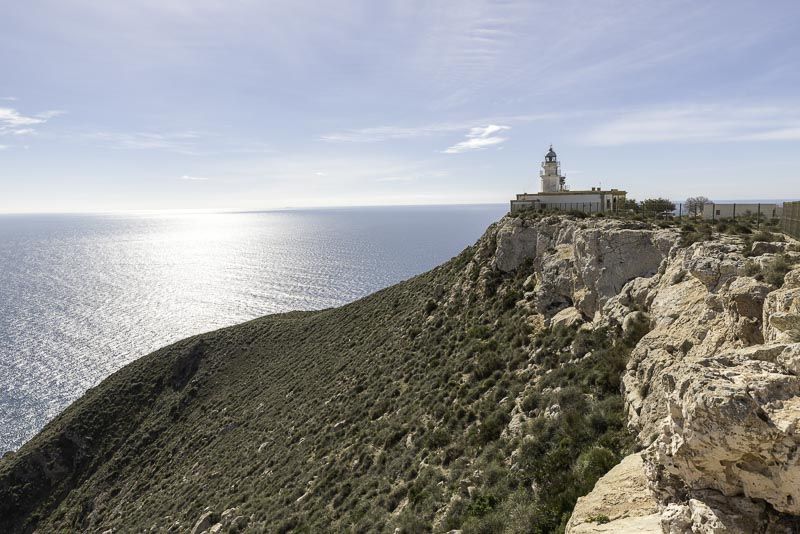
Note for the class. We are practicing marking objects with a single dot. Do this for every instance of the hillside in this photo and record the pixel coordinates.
(484, 395)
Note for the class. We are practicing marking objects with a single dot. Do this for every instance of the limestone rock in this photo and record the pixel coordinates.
(714, 262)
(789, 358)
(621, 496)
(566, 318)
(710, 512)
(515, 243)
(204, 523)
(781, 315)
(712, 388)
(767, 247)
(792, 279)
(731, 426)
(582, 264)
(608, 259)
(747, 296)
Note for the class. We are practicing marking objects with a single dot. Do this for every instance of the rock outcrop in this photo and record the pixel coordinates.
(621, 504)
(578, 263)
(712, 389)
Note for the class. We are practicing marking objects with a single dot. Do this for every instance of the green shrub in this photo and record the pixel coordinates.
(492, 426)
(775, 272)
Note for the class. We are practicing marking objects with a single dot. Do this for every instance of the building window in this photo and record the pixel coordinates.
(717, 212)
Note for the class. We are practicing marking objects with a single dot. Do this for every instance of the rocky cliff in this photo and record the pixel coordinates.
(652, 375)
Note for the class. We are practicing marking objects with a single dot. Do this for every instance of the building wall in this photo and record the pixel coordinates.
(568, 198)
(729, 211)
(590, 202)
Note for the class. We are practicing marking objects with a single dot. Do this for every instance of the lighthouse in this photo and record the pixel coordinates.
(555, 195)
(552, 181)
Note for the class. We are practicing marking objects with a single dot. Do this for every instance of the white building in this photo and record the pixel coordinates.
(554, 193)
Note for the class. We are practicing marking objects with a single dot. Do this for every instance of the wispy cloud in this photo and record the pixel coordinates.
(699, 124)
(3, 147)
(479, 138)
(388, 132)
(8, 98)
(194, 178)
(12, 122)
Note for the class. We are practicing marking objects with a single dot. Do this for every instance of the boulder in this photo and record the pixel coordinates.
(792, 279)
(203, 523)
(566, 318)
(621, 497)
(713, 263)
(709, 512)
(767, 247)
(746, 297)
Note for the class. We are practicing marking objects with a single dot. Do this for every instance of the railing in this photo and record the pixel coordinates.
(790, 222)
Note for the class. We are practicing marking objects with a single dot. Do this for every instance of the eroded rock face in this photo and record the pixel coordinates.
(712, 390)
(730, 426)
(581, 263)
(781, 314)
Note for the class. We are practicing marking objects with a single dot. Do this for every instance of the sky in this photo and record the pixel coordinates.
(240, 104)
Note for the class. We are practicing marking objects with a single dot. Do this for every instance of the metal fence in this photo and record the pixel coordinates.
(597, 207)
(712, 212)
(790, 223)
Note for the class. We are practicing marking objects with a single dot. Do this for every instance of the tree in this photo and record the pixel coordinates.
(694, 205)
(630, 205)
(657, 205)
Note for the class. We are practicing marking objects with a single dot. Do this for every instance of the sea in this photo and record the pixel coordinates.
(83, 295)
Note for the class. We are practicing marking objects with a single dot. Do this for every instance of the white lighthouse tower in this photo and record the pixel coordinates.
(552, 181)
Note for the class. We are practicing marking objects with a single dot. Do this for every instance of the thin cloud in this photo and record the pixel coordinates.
(194, 178)
(47, 115)
(699, 124)
(479, 138)
(386, 133)
(12, 122)
(8, 98)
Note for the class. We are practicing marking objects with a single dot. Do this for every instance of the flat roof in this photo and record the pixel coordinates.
(596, 191)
